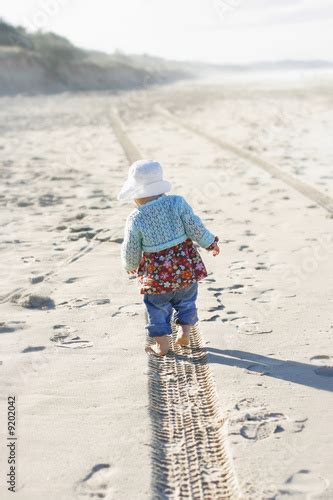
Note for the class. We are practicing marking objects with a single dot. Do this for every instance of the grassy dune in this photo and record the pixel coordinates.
(34, 63)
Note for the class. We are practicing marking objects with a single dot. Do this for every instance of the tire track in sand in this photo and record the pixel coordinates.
(130, 149)
(305, 189)
(189, 456)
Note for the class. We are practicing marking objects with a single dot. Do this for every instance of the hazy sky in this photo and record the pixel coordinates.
(209, 30)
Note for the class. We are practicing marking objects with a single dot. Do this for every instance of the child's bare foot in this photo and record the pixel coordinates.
(184, 338)
(161, 347)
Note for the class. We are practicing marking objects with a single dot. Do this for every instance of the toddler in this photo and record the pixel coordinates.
(158, 248)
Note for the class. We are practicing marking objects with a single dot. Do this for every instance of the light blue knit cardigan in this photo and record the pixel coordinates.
(160, 224)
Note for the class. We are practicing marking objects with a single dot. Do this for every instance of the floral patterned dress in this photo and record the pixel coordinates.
(170, 269)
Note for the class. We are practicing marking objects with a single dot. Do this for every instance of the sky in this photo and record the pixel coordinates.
(219, 31)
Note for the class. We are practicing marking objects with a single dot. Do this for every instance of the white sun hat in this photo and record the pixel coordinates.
(145, 178)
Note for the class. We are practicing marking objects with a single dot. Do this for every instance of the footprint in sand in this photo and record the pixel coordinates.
(81, 231)
(324, 365)
(322, 359)
(109, 235)
(297, 425)
(78, 303)
(208, 317)
(29, 259)
(303, 484)
(75, 343)
(235, 289)
(261, 267)
(324, 371)
(34, 348)
(229, 289)
(249, 327)
(36, 279)
(213, 289)
(244, 247)
(257, 368)
(237, 266)
(33, 301)
(96, 484)
(71, 280)
(260, 431)
(129, 310)
(256, 423)
(25, 203)
(245, 403)
(11, 326)
(102, 206)
(220, 307)
(209, 280)
(265, 295)
(64, 336)
(61, 332)
(211, 314)
(78, 216)
(49, 199)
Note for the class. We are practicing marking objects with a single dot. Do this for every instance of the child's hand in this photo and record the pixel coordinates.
(214, 248)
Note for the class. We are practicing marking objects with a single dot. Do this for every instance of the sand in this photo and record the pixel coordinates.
(72, 323)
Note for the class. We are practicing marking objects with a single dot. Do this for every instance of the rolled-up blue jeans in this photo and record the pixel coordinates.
(161, 306)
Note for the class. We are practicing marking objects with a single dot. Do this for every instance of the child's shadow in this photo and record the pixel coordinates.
(318, 376)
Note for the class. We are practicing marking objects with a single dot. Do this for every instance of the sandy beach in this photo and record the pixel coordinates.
(72, 322)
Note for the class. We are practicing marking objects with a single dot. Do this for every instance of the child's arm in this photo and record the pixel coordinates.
(194, 227)
(131, 248)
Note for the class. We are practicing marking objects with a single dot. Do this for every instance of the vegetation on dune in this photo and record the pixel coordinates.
(50, 47)
(67, 67)
(14, 37)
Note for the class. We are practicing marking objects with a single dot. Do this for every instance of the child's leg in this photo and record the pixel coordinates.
(159, 311)
(186, 312)
(161, 348)
(183, 338)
